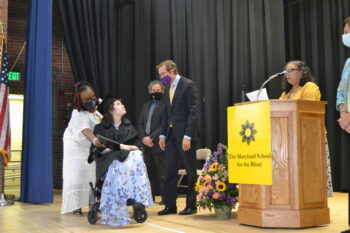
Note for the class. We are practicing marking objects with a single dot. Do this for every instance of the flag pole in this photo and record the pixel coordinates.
(3, 201)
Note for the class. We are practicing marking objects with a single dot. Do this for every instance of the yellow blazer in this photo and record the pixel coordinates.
(309, 91)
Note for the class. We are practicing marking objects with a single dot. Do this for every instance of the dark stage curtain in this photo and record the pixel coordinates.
(36, 185)
(90, 33)
(221, 45)
(314, 34)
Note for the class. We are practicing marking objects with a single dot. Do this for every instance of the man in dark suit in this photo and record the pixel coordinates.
(149, 128)
(179, 136)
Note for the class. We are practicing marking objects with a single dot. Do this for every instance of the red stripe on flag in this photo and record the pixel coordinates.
(7, 140)
(3, 107)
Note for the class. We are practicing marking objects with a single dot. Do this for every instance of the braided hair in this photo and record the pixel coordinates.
(78, 88)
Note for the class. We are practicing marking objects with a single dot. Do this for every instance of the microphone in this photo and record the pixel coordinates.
(269, 79)
(243, 93)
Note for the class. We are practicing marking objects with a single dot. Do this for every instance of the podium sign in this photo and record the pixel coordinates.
(249, 144)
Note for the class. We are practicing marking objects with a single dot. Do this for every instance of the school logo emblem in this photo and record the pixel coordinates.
(248, 132)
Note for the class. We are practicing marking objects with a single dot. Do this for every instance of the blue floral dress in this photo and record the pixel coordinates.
(124, 180)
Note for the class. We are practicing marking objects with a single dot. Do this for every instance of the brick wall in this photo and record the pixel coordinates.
(4, 14)
(62, 77)
(63, 87)
(17, 28)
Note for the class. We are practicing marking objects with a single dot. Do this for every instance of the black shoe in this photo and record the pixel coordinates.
(347, 231)
(78, 212)
(188, 211)
(167, 211)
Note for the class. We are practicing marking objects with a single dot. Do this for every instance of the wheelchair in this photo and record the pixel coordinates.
(139, 211)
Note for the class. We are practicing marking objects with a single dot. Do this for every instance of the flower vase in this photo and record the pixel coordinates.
(223, 212)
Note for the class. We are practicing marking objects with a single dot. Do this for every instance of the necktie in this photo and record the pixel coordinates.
(171, 93)
(149, 119)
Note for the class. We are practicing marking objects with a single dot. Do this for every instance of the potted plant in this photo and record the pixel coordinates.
(213, 187)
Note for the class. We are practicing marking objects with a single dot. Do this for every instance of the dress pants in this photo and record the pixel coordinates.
(173, 154)
(155, 161)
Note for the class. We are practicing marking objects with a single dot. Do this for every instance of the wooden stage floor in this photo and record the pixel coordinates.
(30, 218)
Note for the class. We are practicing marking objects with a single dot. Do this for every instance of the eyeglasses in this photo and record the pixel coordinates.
(291, 70)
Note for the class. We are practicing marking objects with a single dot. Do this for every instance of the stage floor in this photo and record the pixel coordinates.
(30, 218)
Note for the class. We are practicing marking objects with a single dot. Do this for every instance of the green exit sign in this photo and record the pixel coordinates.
(15, 76)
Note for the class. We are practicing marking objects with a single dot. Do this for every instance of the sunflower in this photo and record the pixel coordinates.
(214, 167)
(221, 187)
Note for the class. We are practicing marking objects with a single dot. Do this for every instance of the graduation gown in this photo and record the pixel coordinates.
(126, 134)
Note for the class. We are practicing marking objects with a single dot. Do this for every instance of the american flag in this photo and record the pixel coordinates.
(4, 104)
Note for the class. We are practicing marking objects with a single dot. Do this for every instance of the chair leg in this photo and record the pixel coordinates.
(179, 182)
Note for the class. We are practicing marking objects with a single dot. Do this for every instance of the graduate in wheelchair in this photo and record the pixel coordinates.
(121, 175)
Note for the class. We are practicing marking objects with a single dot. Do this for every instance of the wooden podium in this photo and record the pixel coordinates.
(298, 195)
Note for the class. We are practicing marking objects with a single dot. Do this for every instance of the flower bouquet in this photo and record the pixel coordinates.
(213, 187)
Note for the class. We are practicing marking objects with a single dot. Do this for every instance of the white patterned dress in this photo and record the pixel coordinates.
(124, 180)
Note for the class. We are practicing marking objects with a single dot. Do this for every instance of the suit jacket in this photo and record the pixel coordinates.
(183, 113)
(156, 120)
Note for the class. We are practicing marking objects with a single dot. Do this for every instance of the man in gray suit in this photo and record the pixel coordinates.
(149, 128)
(179, 136)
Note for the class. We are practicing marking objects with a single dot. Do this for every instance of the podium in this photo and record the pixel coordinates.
(298, 195)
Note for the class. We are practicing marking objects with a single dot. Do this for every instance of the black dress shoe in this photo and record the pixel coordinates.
(347, 231)
(167, 211)
(188, 211)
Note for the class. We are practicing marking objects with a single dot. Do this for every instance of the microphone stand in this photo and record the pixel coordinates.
(243, 93)
(268, 80)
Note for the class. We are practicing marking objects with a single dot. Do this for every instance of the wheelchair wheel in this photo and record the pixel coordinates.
(96, 207)
(92, 216)
(140, 215)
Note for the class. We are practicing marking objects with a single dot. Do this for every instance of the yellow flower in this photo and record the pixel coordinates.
(213, 167)
(221, 187)
(197, 185)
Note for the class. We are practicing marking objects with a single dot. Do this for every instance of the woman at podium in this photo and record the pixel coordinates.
(299, 84)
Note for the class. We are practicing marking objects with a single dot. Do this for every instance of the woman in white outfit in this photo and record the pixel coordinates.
(77, 139)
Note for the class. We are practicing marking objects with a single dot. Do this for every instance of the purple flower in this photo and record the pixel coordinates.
(232, 200)
(220, 148)
(209, 194)
(223, 197)
(232, 186)
(206, 166)
(215, 155)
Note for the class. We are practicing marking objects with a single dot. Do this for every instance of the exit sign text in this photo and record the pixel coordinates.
(14, 76)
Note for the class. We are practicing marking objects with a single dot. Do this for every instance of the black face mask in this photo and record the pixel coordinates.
(89, 105)
(156, 95)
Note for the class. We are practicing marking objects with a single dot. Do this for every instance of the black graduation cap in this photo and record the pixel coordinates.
(106, 102)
